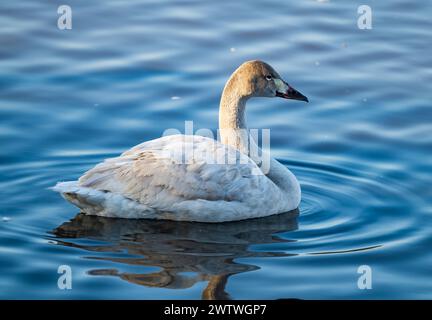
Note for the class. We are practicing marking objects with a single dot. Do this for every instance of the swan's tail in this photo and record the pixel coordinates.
(102, 203)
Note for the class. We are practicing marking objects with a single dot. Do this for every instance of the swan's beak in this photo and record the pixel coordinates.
(284, 90)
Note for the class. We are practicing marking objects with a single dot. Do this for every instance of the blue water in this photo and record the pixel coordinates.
(361, 148)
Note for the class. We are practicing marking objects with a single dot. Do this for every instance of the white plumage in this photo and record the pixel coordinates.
(146, 182)
(190, 178)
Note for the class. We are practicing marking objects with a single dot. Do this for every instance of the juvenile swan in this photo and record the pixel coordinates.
(182, 177)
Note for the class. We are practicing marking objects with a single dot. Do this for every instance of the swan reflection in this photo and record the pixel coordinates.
(186, 252)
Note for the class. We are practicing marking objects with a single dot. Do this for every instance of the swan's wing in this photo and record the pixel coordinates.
(174, 170)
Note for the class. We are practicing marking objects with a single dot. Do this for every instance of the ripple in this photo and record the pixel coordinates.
(349, 210)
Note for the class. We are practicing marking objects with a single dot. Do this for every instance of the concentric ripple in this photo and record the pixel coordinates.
(345, 210)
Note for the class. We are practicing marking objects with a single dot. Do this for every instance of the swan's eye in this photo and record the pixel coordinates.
(269, 77)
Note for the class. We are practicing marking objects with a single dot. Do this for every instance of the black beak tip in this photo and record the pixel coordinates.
(292, 94)
(298, 96)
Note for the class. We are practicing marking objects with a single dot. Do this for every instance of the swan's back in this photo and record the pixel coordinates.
(179, 178)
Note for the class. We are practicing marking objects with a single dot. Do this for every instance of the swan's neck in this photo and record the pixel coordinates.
(233, 131)
(232, 121)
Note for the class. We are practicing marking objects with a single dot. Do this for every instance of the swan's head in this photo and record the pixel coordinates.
(258, 79)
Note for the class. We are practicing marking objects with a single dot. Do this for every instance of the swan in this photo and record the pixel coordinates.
(172, 178)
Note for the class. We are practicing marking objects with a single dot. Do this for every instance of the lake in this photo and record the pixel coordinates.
(127, 71)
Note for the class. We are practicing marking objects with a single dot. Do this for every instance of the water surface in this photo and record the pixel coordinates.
(126, 72)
